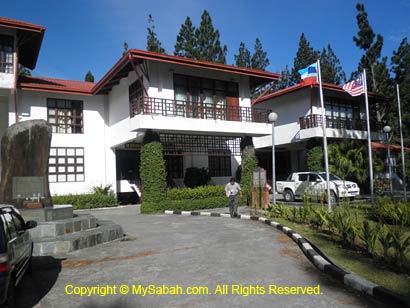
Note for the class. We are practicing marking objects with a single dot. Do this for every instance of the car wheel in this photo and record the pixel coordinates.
(288, 196)
(11, 299)
(333, 197)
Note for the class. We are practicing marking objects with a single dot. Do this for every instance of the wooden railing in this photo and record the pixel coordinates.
(315, 120)
(200, 110)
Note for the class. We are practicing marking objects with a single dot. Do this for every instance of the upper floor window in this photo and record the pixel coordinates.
(6, 54)
(135, 90)
(65, 116)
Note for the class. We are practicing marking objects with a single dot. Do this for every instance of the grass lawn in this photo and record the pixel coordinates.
(351, 260)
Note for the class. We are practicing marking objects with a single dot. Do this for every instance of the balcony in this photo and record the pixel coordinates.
(315, 120)
(200, 110)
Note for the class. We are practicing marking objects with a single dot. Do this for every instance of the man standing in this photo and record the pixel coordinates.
(233, 191)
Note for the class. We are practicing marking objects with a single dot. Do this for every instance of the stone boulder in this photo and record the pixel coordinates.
(25, 148)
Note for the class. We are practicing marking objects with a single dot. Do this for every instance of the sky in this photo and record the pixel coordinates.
(84, 35)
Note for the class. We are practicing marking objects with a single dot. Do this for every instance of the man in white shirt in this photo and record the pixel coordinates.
(233, 191)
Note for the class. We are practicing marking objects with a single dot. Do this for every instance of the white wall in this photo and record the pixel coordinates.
(32, 105)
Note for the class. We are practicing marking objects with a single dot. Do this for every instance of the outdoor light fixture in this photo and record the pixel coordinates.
(273, 116)
(387, 130)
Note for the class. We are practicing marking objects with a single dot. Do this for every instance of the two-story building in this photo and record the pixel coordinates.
(200, 109)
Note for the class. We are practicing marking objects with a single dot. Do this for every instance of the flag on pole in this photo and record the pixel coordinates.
(307, 72)
(355, 87)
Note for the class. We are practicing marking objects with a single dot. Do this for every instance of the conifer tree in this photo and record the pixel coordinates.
(259, 59)
(153, 43)
(186, 45)
(243, 58)
(305, 56)
(331, 70)
(89, 77)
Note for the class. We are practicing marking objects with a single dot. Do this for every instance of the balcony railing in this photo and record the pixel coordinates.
(200, 110)
(315, 120)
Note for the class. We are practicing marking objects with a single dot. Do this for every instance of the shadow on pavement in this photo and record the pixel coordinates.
(35, 285)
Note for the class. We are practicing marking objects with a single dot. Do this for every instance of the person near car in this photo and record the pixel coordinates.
(233, 192)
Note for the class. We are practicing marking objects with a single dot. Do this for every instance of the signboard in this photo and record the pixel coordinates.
(259, 177)
(28, 187)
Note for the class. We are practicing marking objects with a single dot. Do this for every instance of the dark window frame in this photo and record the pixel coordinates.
(174, 166)
(68, 115)
(219, 165)
(76, 164)
(6, 53)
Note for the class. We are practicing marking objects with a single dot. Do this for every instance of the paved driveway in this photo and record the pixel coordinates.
(185, 251)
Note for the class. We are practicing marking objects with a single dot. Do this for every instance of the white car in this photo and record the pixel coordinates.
(313, 184)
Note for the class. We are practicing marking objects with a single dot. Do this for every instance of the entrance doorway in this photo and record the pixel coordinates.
(128, 175)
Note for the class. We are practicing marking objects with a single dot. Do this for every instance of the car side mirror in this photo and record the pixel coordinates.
(318, 180)
(31, 224)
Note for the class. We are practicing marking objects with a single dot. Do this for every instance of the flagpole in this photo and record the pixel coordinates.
(401, 144)
(322, 105)
(369, 138)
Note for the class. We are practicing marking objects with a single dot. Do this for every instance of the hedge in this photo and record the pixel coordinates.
(183, 205)
(86, 201)
(201, 192)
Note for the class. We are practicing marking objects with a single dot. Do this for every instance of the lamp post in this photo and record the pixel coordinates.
(387, 130)
(273, 116)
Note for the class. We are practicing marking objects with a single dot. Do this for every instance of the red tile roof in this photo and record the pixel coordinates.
(326, 86)
(55, 85)
(30, 39)
(397, 148)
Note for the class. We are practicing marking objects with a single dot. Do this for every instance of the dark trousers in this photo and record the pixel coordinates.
(233, 201)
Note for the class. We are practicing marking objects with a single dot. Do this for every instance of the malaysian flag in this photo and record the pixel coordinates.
(355, 87)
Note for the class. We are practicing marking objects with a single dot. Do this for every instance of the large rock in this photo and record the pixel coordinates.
(25, 148)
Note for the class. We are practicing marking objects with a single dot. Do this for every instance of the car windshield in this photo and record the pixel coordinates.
(332, 177)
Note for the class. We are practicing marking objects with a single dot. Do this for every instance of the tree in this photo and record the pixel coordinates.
(284, 80)
(153, 43)
(248, 166)
(371, 44)
(305, 56)
(89, 77)
(186, 45)
(152, 169)
(243, 58)
(209, 47)
(259, 59)
(125, 48)
(331, 71)
(314, 159)
(24, 71)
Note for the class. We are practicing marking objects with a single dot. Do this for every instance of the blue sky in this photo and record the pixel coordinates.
(84, 35)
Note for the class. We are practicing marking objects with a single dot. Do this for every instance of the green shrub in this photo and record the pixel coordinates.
(152, 171)
(248, 166)
(201, 192)
(86, 201)
(195, 177)
(387, 211)
(368, 235)
(102, 190)
(183, 205)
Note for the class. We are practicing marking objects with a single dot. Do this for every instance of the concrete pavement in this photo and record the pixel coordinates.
(190, 251)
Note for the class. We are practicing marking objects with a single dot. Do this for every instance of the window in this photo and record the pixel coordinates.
(135, 90)
(341, 113)
(66, 165)
(6, 54)
(65, 116)
(175, 166)
(219, 165)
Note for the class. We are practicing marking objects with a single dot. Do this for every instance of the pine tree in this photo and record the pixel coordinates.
(209, 44)
(186, 45)
(259, 59)
(153, 43)
(371, 44)
(243, 58)
(331, 71)
(89, 77)
(284, 80)
(125, 48)
(305, 56)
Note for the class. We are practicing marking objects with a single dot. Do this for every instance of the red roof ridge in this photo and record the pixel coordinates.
(49, 84)
(5, 21)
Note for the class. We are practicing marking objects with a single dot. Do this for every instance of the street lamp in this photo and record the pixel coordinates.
(273, 116)
(387, 130)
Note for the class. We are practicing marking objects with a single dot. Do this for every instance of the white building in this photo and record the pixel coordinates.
(200, 109)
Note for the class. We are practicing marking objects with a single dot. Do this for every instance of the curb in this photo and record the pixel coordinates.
(318, 259)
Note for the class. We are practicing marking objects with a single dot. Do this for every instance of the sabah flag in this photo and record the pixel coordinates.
(355, 87)
(310, 71)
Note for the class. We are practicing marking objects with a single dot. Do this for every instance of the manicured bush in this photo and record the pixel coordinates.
(152, 169)
(183, 205)
(86, 201)
(195, 177)
(201, 192)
